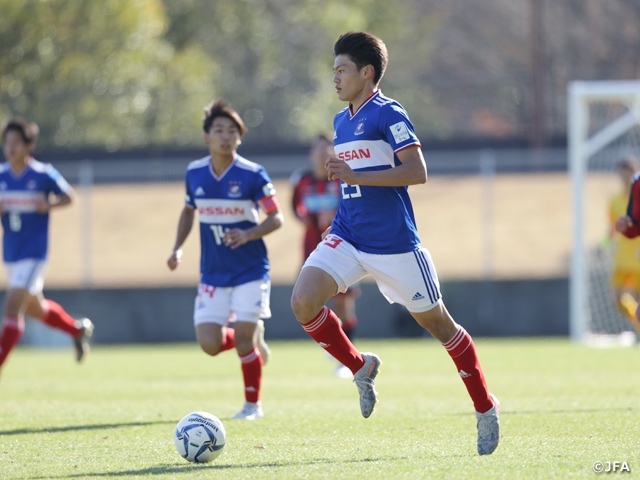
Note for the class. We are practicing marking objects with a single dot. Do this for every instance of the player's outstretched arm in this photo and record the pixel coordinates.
(236, 237)
(413, 171)
(185, 224)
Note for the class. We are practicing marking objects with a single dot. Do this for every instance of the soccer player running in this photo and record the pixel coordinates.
(625, 275)
(374, 232)
(227, 191)
(315, 201)
(629, 224)
(29, 190)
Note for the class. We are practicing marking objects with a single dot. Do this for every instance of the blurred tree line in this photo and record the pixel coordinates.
(119, 74)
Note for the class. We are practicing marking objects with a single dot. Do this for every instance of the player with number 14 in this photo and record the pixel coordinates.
(227, 191)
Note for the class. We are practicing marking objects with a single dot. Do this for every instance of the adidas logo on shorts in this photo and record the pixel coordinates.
(418, 296)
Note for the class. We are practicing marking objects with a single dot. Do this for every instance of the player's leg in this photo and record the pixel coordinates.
(459, 344)
(411, 280)
(332, 267)
(212, 310)
(625, 301)
(250, 302)
(52, 314)
(625, 291)
(25, 278)
(13, 320)
(251, 364)
(312, 290)
(214, 338)
(343, 304)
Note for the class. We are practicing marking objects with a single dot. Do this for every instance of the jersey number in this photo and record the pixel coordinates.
(15, 222)
(355, 194)
(218, 233)
(333, 242)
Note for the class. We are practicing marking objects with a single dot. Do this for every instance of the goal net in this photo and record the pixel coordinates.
(603, 129)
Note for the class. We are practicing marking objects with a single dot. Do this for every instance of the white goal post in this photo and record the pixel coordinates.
(585, 141)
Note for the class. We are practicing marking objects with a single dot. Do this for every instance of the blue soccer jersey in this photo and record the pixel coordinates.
(375, 220)
(26, 231)
(224, 202)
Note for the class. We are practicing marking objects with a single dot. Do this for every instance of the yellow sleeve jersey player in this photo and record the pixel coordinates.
(626, 260)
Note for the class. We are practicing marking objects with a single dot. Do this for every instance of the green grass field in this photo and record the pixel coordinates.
(564, 407)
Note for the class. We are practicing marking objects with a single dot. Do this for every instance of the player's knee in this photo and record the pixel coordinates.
(437, 322)
(303, 306)
(244, 345)
(210, 348)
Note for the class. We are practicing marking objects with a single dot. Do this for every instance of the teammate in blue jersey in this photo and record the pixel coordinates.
(29, 190)
(228, 191)
(374, 232)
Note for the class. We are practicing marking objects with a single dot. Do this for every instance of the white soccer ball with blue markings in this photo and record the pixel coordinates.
(200, 437)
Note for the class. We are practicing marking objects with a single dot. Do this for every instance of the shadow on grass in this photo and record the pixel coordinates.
(576, 411)
(163, 470)
(71, 428)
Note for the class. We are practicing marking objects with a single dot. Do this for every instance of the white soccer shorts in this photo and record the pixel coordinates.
(27, 274)
(248, 302)
(409, 279)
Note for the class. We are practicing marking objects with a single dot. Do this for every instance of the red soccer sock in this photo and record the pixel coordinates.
(464, 355)
(252, 373)
(325, 329)
(55, 316)
(229, 340)
(11, 333)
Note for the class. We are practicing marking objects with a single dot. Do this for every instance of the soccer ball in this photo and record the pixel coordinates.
(200, 437)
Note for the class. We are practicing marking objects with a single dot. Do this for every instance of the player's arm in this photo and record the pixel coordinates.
(412, 171)
(297, 205)
(236, 237)
(185, 224)
(45, 204)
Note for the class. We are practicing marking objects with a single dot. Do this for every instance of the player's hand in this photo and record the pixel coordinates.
(339, 170)
(42, 206)
(623, 223)
(174, 259)
(326, 232)
(235, 238)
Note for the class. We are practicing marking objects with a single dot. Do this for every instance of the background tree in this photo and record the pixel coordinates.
(120, 74)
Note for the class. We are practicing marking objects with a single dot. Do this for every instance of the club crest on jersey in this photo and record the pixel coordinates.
(359, 129)
(31, 184)
(234, 190)
(3, 185)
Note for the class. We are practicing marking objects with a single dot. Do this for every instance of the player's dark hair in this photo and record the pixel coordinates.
(27, 130)
(363, 49)
(630, 162)
(221, 109)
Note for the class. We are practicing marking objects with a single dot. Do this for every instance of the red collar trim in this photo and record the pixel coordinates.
(353, 114)
(224, 172)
